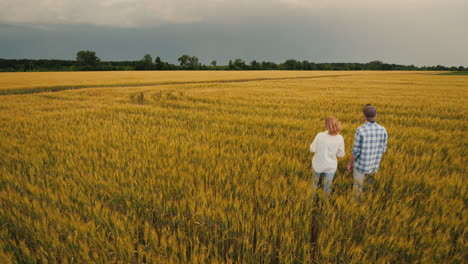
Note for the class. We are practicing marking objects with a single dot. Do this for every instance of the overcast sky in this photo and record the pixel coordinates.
(420, 32)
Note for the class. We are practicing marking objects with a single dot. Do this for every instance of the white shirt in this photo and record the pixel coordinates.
(327, 147)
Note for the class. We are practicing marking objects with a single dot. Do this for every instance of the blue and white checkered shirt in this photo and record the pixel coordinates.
(370, 143)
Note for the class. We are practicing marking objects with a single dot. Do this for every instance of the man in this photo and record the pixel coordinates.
(370, 143)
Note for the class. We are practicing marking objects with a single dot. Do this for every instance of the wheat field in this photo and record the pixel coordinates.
(214, 167)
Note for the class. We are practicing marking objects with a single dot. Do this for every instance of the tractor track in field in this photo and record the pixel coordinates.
(32, 90)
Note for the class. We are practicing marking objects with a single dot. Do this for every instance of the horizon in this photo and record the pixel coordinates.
(246, 61)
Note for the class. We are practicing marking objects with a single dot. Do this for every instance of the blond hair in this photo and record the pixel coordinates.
(332, 125)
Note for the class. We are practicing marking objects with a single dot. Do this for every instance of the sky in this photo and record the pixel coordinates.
(419, 32)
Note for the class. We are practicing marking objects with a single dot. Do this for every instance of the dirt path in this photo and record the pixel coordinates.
(71, 87)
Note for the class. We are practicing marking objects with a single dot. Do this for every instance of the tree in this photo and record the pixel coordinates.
(193, 63)
(375, 65)
(189, 62)
(183, 60)
(146, 63)
(441, 68)
(254, 65)
(325, 67)
(148, 60)
(238, 64)
(290, 65)
(87, 58)
(312, 66)
(213, 63)
(306, 65)
(159, 65)
(268, 65)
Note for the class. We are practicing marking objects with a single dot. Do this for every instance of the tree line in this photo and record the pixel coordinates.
(89, 61)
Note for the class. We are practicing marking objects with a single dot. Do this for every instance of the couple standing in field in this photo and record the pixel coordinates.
(370, 142)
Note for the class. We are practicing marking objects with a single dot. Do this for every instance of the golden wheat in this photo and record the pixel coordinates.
(196, 167)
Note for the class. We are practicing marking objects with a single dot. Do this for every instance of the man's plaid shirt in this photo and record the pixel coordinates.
(370, 143)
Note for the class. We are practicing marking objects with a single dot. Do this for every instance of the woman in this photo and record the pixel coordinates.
(327, 146)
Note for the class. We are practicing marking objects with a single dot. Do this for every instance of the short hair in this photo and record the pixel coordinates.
(332, 125)
(370, 112)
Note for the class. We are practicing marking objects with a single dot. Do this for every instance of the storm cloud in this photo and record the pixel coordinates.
(421, 32)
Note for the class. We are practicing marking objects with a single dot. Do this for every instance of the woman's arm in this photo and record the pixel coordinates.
(341, 149)
(313, 146)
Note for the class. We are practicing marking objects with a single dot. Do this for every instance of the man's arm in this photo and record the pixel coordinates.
(351, 163)
(356, 151)
(385, 141)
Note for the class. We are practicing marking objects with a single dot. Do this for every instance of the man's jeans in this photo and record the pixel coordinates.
(359, 178)
(327, 181)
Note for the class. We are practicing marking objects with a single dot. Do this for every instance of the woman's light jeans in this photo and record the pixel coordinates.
(327, 181)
